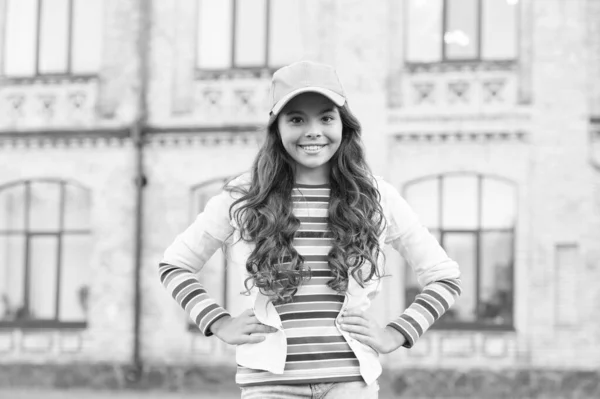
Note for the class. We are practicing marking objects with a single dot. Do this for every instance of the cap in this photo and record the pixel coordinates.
(303, 77)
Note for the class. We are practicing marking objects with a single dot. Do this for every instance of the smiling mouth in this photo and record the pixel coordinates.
(312, 148)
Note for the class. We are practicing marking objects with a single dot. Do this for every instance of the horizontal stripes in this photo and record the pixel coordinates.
(314, 234)
(317, 352)
(319, 298)
(312, 242)
(318, 306)
(311, 205)
(311, 219)
(308, 323)
(310, 314)
(324, 355)
(185, 288)
(428, 306)
(328, 347)
(313, 227)
(315, 340)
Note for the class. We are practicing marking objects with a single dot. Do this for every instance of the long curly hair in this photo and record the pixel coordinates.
(263, 212)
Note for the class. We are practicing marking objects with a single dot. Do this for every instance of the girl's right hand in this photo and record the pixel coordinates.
(238, 330)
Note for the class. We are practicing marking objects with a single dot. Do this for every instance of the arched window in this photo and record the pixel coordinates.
(214, 273)
(473, 217)
(45, 246)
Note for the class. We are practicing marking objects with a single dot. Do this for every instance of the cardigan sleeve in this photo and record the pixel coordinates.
(437, 274)
(186, 256)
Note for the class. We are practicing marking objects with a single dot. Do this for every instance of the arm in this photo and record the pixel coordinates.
(186, 256)
(437, 274)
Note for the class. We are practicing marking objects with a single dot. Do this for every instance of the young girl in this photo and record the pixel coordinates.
(304, 231)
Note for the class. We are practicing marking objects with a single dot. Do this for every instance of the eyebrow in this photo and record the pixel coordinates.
(324, 111)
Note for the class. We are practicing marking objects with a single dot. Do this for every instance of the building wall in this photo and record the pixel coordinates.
(536, 134)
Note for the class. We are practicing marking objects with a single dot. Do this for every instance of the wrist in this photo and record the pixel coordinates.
(217, 324)
(398, 338)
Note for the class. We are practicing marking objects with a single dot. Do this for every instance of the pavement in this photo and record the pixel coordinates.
(21, 393)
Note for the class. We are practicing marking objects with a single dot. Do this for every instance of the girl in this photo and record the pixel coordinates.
(304, 232)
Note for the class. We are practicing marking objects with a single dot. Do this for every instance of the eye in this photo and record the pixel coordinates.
(328, 118)
(295, 119)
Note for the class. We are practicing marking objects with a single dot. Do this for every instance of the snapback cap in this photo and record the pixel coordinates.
(304, 77)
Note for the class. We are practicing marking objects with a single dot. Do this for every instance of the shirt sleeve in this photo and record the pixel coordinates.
(185, 257)
(437, 274)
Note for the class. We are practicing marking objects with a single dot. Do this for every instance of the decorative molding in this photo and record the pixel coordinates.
(234, 74)
(249, 138)
(39, 140)
(462, 136)
(459, 66)
(154, 136)
(42, 80)
(48, 103)
(504, 117)
(233, 100)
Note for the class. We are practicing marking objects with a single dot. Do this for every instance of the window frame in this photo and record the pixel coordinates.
(478, 232)
(68, 72)
(255, 70)
(27, 233)
(460, 61)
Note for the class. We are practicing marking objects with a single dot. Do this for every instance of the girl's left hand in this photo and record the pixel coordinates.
(363, 327)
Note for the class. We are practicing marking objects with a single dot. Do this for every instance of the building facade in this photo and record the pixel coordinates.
(118, 119)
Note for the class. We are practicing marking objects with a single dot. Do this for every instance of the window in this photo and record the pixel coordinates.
(461, 30)
(45, 246)
(52, 37)
(473, 217)
(214, 273)
(248, 34)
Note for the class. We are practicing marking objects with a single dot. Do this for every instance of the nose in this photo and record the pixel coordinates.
(313, 131)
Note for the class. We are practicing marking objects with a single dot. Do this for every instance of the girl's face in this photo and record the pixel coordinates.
(310, 127)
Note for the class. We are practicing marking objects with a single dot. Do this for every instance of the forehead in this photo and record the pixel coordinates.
(307, 102)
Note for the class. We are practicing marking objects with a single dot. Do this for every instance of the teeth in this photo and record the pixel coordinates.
(312, 147)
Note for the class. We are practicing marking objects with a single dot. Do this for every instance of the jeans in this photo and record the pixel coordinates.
(336, 390)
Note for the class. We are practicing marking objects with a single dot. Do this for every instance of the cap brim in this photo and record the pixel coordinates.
(336, 98)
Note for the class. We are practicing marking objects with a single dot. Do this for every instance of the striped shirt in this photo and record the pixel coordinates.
(316, 350)
(191, 249)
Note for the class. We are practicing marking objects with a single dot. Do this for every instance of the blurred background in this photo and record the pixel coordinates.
(120, 118)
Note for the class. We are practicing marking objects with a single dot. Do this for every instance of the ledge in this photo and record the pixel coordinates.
(462, 136)
(42, 325)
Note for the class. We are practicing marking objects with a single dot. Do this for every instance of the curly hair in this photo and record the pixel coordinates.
(264, 215)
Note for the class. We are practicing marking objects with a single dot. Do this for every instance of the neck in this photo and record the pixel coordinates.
(312, 176)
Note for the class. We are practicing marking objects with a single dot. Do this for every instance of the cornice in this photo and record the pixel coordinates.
(518, 136)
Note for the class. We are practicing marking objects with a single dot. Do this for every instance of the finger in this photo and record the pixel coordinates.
(354, 320)
(354, 313)
(248, 312)
(261, 328)
(252, 320)
(356, 329)
(258, 328)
